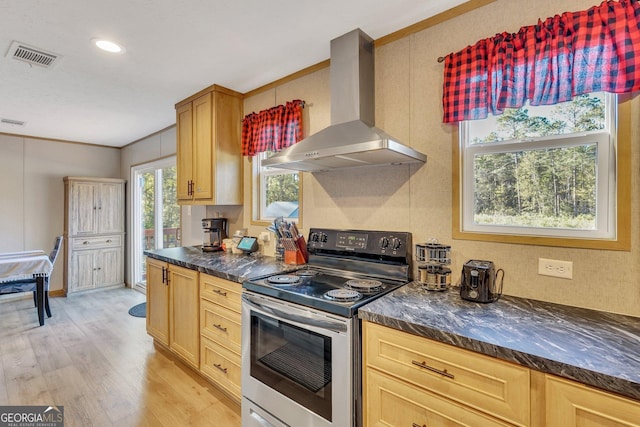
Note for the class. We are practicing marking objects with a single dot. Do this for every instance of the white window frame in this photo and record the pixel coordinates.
(260, 173)
(606, 142)
(136, 199)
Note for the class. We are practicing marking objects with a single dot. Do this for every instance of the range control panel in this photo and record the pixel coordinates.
(388, 243)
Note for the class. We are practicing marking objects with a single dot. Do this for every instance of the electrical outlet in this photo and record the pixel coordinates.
(555, 268)
(265, 236)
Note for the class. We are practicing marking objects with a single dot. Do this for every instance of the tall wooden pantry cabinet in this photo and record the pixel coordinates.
(94, 233)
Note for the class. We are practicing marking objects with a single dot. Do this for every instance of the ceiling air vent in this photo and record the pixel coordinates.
(33, 55)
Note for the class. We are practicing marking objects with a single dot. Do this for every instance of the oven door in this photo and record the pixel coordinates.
(296, 363)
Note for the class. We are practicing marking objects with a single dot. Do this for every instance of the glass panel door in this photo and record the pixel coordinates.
(156, 213)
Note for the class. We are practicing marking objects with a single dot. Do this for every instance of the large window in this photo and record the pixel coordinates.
(541, 171)
(276, 192)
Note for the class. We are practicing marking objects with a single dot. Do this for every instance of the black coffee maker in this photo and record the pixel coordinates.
(214, 232)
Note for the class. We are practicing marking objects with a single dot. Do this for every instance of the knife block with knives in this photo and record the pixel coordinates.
(295, 246)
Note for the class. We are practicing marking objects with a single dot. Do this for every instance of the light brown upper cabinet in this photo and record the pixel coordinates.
(208, 148)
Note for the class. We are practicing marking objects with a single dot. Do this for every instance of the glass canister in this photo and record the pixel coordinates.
(438, 278)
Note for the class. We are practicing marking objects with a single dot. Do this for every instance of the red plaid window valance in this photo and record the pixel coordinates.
(551, 62)
(273, 129)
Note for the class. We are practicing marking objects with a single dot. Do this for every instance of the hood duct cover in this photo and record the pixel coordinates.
(351, 140)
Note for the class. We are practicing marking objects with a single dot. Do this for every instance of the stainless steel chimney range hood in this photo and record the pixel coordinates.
(352, 140)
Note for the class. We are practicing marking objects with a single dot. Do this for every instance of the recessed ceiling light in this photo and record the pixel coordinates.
(108, 45)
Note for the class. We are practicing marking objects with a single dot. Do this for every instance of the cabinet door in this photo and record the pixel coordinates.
(83, 209)
(157, 301)
(111, 208)
(393, 402)
(227, 112)
(110, 268)
(223, 367)
(572, 404)
(83, 270)
(475, 380)
(184, 325)
(184, 135)
(203, 148)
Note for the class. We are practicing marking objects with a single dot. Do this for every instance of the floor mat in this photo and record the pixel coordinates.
(139, 310)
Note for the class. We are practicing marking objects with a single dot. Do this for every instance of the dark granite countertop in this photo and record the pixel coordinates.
(228, 266)
(596, 348)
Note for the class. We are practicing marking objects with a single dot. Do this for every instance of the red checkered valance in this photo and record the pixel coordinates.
(273, 129)
(564, 56)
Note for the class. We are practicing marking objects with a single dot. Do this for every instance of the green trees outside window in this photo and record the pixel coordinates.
(528, 172)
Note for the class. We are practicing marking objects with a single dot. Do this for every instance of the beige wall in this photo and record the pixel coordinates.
(32, 190)
(418, 198)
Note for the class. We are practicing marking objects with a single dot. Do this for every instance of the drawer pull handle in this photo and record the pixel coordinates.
(429, 368)
(219, 292)
(220, 327)
(416, 425)
(109, 241)
(220, 368)
(86, 242)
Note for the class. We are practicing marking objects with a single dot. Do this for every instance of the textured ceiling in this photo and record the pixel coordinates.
(174, 48)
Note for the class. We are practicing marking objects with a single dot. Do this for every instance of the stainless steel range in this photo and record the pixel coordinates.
(301, 335)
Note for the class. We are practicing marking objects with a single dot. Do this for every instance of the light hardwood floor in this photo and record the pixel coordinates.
(97, 361)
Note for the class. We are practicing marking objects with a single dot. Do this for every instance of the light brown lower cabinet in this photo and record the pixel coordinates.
(197, 316)
(391, 402)
(568, 403)
(417, 382)
(172, 309)
(157, 301)
(220, 333)
(184, 337)
(222, 367)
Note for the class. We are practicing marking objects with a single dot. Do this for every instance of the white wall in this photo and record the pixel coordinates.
(32, 190)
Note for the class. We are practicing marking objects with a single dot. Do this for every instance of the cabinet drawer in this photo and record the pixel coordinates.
(221, 366)
(573, 404)
(221, 291)
(481, 382)
(391, 402)
(97, 242)
(220, 324)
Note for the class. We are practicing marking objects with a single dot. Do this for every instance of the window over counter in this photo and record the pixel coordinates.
(553, 175)
(276, 192)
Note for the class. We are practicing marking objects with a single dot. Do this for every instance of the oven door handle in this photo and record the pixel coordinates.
(307, 319)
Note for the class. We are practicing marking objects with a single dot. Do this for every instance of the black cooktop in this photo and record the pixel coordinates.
(334, 292)
(346, 269)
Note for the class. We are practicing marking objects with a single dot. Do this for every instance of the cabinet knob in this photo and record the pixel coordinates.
(86, 242)
(109, 240)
